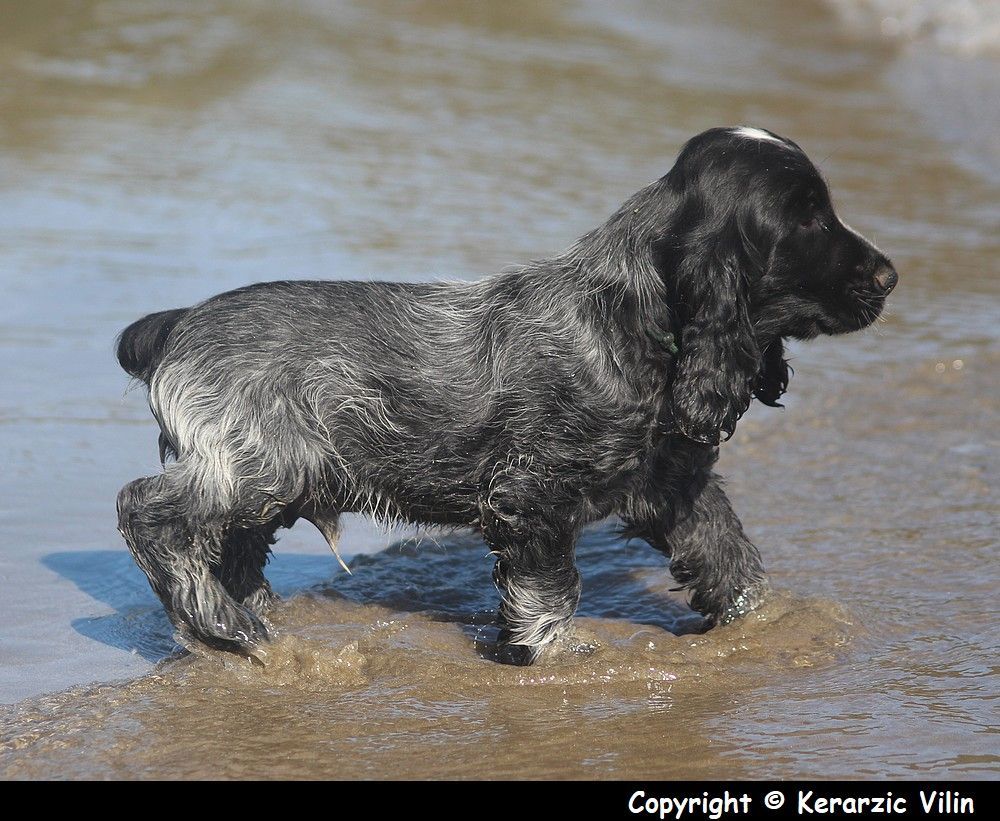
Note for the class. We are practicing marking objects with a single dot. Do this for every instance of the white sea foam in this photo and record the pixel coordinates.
(967, 27)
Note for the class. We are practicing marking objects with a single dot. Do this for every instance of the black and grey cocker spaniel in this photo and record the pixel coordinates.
(525, 405)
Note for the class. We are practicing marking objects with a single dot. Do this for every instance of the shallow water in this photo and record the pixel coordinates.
(151, 157)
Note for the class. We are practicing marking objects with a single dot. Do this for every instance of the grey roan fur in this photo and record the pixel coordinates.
(595, 383)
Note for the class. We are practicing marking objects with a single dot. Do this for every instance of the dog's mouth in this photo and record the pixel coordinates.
(867, 306)
(857, 310)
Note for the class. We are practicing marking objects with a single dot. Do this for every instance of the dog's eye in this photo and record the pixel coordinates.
(808, 223)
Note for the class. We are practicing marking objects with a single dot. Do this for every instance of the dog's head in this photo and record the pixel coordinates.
(752, 252)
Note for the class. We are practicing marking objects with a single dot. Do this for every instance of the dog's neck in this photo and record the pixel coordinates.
(620, 253)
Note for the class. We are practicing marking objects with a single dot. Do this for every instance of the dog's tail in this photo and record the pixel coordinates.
(142, 344)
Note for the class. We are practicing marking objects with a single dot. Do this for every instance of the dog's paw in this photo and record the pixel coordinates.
(517, 655)
(563, 647)
(743, 601)
(236, 630)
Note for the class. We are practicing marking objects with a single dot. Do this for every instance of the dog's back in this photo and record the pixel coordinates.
(390, 398)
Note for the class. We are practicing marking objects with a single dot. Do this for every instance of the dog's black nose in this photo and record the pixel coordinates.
(885, 279)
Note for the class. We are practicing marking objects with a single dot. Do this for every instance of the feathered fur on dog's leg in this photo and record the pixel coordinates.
(710, 554)
(537, 602)
(713, 558)
(535, 570)
(245, 552)
(176, 551)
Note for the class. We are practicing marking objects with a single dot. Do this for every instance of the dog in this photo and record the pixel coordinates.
(525, 405)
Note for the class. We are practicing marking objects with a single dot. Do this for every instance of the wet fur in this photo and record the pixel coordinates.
(525, 405)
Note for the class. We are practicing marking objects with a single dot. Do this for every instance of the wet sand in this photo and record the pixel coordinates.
(148, 160)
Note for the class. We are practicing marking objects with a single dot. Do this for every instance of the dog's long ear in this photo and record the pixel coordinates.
(718, 359)
(772, 380)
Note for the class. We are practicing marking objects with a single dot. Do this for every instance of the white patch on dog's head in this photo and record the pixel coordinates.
(750, 133)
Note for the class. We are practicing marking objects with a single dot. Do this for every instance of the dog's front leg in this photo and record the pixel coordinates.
(535, 573)
(695, 525)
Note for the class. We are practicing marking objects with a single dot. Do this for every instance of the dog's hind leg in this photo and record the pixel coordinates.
(535, 573)
(176, 538)
(240, 568)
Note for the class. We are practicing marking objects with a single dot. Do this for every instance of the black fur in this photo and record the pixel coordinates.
(526, 405)
(141, 345)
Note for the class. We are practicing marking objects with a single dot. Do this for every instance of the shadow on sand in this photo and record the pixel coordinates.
(448, 578)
